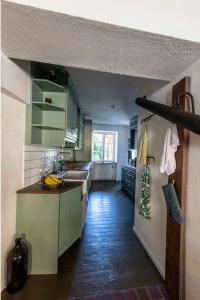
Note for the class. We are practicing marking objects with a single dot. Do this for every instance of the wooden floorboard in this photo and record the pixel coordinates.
(108, 258)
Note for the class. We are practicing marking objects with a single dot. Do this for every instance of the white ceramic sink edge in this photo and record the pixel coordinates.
(76, 176)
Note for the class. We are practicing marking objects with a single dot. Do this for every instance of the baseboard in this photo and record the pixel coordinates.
(155, 261)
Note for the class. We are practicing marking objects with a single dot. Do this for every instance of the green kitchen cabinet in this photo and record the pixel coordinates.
(133, 132)
(80, 142)
(45, 122)
(80, 139)
(70, 220)
(128, 180)
(52, 116)
(86, 153)
(50, 223)
(71, 133)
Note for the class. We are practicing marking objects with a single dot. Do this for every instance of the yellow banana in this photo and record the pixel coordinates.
(52, 181)
(49, 181)
(55, 179)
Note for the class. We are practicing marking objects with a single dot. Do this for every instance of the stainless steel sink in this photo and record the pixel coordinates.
(75, 175)
(83, 176)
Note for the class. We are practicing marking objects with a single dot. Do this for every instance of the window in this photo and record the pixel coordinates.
(104, 146)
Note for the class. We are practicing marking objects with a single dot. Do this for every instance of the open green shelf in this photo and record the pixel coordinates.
(49, 86)
(46, 121)
(43, 126)
(48, 106)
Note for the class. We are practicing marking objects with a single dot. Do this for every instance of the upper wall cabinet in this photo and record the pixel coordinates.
(52, 117)
(79, 142)
(71, 134)
(133, 133)
(46, 115)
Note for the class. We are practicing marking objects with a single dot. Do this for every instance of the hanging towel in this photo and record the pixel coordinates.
(168, 160)
(143, 147)
(145, 208)
(173, 206)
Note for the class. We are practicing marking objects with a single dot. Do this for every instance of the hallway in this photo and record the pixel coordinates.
(108, 258)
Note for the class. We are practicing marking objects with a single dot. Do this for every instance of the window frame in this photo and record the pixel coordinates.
(115, 144)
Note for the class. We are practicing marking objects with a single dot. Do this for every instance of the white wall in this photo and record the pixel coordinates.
(172, 18)
(15, 93)
(153, 233)
(122, 151)
(15, 79)
(20, 164)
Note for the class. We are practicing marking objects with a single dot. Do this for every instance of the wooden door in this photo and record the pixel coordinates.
(175, 238)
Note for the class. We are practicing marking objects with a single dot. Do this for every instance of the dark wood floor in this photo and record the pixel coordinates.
(109, 257)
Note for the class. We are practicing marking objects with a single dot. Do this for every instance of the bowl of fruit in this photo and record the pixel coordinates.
(52, 181)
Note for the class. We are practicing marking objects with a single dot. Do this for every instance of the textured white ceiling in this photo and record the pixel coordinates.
(109, 98)
(40, 35)
(177, 18)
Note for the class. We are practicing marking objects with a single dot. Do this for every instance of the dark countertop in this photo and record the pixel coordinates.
(38, 188)
(77, 165)
(105, 162)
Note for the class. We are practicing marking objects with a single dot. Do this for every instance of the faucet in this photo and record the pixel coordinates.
(59, 162)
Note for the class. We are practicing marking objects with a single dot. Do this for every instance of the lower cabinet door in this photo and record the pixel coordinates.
(128, 181)
(37, 219)
(69, 219)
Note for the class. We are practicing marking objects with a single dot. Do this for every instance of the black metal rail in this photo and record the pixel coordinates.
(147, 118)
(182, 118)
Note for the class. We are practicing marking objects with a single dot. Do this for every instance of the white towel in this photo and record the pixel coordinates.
(168, 160)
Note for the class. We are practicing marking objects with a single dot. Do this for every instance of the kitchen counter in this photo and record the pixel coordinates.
(105, 162)
(51, 221)
(77, 165)
(38, 188)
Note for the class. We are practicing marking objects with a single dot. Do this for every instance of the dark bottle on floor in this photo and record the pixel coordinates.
(17, 266)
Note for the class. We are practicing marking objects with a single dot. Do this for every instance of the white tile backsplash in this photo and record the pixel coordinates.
(27, 148)
(26, 181)
(32, 164)
(38, 163)
(38, 158)
(33, 155)
(27, 155)
(26, 164)
(32, 180)
(26, 174)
